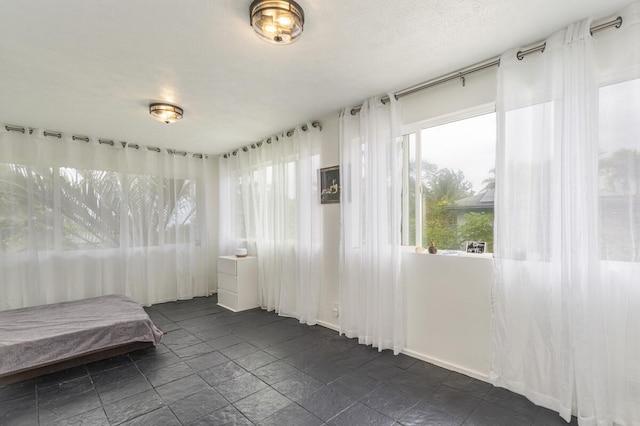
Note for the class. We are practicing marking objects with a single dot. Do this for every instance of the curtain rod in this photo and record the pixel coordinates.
(489, 63)
(255, 145)
(86, 139)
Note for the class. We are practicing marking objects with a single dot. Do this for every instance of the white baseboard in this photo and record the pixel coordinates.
(449, 366)
(328, 325)
(440, 363)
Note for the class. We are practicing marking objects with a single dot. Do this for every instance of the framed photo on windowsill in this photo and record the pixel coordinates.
(329, 185)
(476, 247)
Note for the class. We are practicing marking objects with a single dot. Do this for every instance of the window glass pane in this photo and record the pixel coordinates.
(180, 208)
(457, 162)
(531, 134)
(240, 221)
(409, 190)
(26, 208)
(619, 164)
(90, 207)
(144, 205)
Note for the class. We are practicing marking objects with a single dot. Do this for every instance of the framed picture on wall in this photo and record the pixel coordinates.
(330, 185)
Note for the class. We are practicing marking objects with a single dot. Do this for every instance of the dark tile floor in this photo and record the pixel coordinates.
(215, 367)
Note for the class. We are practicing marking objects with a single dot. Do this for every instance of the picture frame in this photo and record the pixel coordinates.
(329, 178)
(477, 247)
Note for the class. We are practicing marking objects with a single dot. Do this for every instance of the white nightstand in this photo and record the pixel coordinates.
(238, 282)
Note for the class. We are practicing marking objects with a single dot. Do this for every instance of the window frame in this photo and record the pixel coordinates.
(416, 128)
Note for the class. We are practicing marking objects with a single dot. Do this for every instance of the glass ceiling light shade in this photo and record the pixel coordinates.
(277, 21)
(166, 113)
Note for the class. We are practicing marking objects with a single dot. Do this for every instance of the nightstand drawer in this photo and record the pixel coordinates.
(227, 282)
(227, 266)
(228, 300)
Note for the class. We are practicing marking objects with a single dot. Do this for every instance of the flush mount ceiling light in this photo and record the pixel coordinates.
(166, 113)
(277, 21)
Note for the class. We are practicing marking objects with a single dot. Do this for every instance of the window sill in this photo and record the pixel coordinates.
(447, 253)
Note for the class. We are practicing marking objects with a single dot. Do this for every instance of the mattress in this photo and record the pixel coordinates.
(42, 335)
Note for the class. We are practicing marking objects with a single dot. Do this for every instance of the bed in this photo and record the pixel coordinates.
(43, 339)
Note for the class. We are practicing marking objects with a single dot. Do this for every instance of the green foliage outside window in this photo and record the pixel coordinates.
(441, 188)
(477, 227)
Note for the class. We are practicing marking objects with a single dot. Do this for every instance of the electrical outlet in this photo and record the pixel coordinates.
(336, 310)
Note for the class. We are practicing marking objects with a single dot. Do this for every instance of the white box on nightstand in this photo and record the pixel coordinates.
(238, 282)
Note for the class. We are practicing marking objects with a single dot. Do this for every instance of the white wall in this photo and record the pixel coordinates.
(479, 89)
(448, 297)
(448, 318)
(329, 295)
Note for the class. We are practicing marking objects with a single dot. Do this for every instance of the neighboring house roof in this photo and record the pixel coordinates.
(481, 200)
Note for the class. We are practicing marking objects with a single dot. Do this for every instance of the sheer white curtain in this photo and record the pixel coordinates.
(80, 220)
(617, 55)
(371, 295)
(270, 203)
(566, 301)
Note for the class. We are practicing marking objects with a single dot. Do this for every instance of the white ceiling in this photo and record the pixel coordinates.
(92, 67)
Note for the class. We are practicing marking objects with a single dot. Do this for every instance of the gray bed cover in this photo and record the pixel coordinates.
(30, 337)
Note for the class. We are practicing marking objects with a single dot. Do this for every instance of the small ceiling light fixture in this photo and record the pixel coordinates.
(166, 113)
(277, 21)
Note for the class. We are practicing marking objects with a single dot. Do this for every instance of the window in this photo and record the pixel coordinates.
(619, 167)
(257, 188)
(25, 192)
(449, 181)
(78, 209)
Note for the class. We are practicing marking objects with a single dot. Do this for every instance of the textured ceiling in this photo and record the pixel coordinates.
(93, 67)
